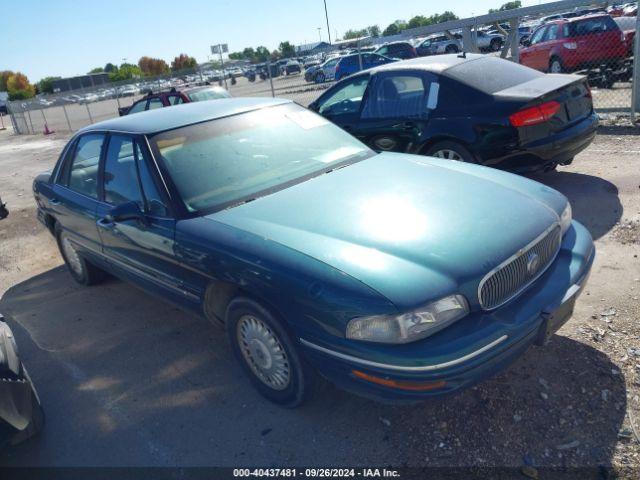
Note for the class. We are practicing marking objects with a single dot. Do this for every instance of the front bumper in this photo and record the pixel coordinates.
(20, 411)
(476, 347)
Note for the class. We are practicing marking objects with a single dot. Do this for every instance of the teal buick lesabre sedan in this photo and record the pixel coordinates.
(394, 276)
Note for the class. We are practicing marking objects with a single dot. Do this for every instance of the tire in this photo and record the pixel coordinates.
(495, 44)
(80, 269)
(555, 65)
(319, 77)
(451, 49)
(267, 354)
(449, 150)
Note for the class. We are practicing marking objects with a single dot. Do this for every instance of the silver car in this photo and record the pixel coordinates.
(438, 44)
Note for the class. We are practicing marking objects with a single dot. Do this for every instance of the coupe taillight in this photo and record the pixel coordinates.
(535, 115)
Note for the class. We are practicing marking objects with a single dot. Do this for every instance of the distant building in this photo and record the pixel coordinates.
(83, 81)
(312, 48)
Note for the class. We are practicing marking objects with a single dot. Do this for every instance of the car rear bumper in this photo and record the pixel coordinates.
(487, 342)
(555, 149)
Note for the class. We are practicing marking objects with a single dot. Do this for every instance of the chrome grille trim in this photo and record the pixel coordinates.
(510, 278)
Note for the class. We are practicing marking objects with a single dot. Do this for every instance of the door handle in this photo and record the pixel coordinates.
(407, 126)
(54, 201)
(104, 223)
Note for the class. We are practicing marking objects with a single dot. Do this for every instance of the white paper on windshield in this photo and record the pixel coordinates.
(432, 101)
(338, 154)
(306, 119)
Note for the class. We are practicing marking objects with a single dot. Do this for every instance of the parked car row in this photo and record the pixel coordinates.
(586, 43)
(365, 242)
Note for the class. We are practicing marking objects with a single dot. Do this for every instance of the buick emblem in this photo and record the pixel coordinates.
(533, 260)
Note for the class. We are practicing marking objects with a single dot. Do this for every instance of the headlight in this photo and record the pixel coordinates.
(565, 218)
(410, 326)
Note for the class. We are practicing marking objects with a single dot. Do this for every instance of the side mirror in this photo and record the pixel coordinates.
(125, 211)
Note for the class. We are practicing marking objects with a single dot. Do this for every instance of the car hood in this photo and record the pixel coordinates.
(413, 228)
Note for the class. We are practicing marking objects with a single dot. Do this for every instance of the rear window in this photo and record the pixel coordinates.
(589, 26)
(492, 74)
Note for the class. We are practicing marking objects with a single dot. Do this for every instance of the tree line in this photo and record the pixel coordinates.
(287, 50)
(146, 67)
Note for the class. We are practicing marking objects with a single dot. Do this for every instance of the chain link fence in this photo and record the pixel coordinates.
(599, 45)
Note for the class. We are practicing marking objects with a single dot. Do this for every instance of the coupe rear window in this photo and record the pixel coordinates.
(492, 74)
(223, 162)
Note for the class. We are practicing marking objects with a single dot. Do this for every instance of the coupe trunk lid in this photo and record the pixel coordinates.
(411, 227)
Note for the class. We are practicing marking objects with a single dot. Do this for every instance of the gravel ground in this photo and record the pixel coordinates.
(127, 380)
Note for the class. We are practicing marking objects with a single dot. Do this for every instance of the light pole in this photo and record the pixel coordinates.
(326, 15)
(319, 34)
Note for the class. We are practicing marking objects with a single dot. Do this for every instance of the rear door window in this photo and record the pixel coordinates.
(120, 176)
(175, 99)
(552, 33)
(398, 95)
(155, 103)
(82, 174)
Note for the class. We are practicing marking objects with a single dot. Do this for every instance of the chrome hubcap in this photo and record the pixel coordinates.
(263, 352)
(448, 155)
(555, 67)
(70, 253)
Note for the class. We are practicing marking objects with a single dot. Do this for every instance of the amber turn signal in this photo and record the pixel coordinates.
(400, 384)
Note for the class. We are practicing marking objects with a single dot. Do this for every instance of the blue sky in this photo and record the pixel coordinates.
(65, 37)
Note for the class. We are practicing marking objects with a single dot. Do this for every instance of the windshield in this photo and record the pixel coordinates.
(223, 162)
(208, 94)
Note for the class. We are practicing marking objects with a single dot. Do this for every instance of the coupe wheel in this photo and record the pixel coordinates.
(448, 150)
(319, 77)
(451, 49)
(81, 270)
(267, 354)
(495, 45)
(555, 65)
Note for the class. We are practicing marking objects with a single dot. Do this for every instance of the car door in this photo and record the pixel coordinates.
(75, 192)
(531, 56)
(140, 248)
(396, 110)
(341, 104)
(546, 45)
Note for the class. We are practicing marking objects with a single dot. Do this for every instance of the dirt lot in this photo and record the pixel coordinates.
(128, 380)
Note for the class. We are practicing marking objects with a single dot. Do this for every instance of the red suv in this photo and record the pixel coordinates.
(571, 44)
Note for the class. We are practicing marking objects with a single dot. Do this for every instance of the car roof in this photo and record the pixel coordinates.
(433, 63)
(577, 19)
(161, 119)
(399, 42)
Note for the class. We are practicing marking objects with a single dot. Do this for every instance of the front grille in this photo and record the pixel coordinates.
(518, 272)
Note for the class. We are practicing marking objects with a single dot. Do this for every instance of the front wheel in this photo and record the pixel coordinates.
(449, 150)
(320, 77)
(495, 45)
(267, 353)
(555, 65)
(81, 270)
(451, 49)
